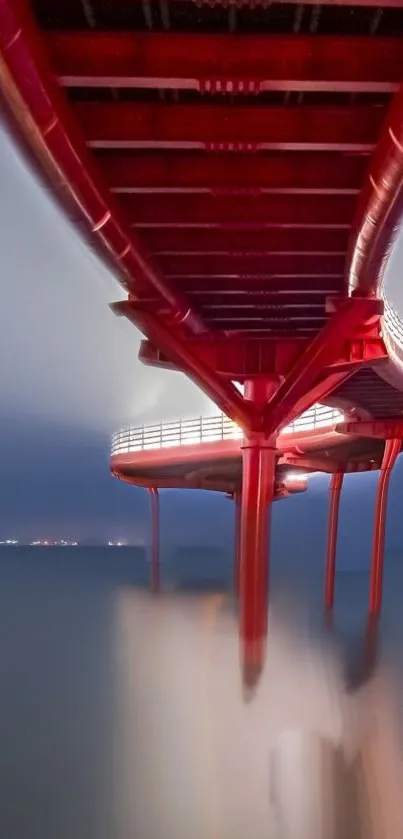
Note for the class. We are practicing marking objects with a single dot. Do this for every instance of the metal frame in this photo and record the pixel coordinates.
(336, 485)
(185, 432)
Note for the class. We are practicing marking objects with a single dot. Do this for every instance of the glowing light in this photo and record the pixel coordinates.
(192, 432)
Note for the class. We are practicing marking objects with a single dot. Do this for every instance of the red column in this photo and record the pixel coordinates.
(237, 542)
(392, 449)
(259, 467)
(258, 478)
(155, 540)
(336, 484)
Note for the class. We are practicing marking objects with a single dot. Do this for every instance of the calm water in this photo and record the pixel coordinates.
(109, 701)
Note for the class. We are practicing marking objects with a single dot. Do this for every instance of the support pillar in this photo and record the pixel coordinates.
(155, 540)
(237, 542)
(392, 449)
(258, 480)
(259, 468)
(336, 484)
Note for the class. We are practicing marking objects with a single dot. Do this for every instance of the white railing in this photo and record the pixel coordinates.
(188, 432)
(393, 328)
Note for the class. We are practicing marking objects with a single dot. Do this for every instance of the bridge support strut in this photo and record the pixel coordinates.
(259, 467)
(155, 540)
(258, 484)
(335, 488)
(392, 449)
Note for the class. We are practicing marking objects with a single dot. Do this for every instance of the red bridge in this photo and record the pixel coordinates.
(239, 166)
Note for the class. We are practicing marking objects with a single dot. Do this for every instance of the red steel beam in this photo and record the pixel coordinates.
(185, 266)
(247, 241)
(381, 429)
(171, 483)
(251, 288)
(124, 125)
(251, 283)
(379, 214)
(45, 124)
(328, 172)
(239, 358)
(236, 358)
(322, 352)
(225, 63)
(223, 393)
(249, 300)
(319, 211)
(258, 331)
(259, 460)
(392, 450)
(265, 323)
(336, 484)
(389, 4)
(272, 313)
(258, 480)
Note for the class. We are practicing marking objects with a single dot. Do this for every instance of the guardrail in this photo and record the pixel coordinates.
(188, 432)
(393, 329)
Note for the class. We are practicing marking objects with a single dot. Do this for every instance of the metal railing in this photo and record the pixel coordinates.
(188, 432)
(393, 328)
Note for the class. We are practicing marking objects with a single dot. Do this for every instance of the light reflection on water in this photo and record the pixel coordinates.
(121, 716)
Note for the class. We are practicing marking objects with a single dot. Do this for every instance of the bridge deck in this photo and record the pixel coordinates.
(218, 152)
(205, 453)
(234, 141)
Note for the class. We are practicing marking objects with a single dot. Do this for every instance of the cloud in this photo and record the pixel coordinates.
(63, 355)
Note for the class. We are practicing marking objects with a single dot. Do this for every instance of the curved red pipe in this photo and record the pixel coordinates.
(379, 217)
(38, 108)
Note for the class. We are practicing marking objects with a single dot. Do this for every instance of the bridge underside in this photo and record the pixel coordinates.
(239, 166)
(218, 466)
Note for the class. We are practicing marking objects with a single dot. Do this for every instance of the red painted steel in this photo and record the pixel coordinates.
(323, 351)
(383, 429)
(336, 484)
(259, 457)
(41, 114)
(259, 465)
(225, 63)
(251, 283)
(328, 173)
(244, 4)
(155, 540)
(392, 450)
(380, 212)
(222, 392)
(274, 240)
(241, 357)
(117, 125)
(318, 211)
(234, 265)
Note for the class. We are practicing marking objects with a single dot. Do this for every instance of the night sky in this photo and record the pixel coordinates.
(69, 377)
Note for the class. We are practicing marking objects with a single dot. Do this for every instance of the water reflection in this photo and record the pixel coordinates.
(122, 715)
